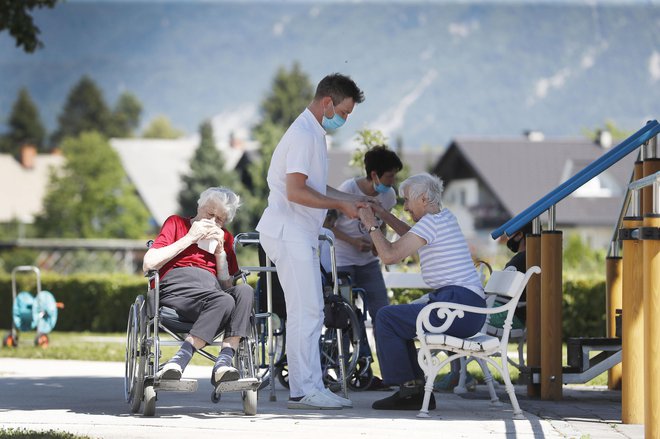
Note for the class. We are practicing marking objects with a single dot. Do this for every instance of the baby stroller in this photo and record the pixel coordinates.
(31, 312)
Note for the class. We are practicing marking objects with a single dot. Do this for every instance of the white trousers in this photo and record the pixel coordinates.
(299, 273)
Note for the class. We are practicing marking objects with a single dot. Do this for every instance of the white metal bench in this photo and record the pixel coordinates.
(509, 285)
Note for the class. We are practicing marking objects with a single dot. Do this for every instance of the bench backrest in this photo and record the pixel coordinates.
(504, 283)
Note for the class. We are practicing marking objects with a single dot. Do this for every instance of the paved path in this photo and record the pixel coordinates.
(88, 398)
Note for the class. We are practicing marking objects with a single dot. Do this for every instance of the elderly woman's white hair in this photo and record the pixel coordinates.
(423, 185)
(225, 197)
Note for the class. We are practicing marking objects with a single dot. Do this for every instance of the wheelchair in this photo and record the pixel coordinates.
(338, 360)
(146, 321)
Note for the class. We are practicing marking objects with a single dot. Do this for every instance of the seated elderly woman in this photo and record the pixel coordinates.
(446, 266)
(196, 260)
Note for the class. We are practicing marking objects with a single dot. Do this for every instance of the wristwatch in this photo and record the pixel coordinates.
(372, 228)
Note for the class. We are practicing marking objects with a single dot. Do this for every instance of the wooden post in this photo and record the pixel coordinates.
(651, 252)
(551, 297)
(533, 321)
(613, 285)
(632, 395)
(649, 166)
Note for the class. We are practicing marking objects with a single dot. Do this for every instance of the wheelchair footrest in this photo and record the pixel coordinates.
(238, 385)
(182, 385)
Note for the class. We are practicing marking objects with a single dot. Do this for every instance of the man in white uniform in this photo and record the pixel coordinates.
(289, 230)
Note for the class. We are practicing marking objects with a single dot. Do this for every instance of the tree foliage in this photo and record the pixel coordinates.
(25, 124)
(291, 92)
(161, 128)
(85, 110)
(16, 16)
(91, 197)
(126, 116)
(207, 170)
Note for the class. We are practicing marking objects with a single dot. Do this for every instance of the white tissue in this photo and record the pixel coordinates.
(208, 245)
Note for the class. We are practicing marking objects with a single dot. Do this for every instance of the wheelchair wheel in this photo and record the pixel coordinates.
(330, 349)
(361, 377)
(283, 375)
(149, 400)
(249, 402)
(135, 357)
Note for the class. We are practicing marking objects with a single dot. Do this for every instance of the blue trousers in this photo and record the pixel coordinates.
(397, 355)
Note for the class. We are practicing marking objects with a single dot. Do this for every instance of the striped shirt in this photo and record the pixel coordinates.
(445, 259)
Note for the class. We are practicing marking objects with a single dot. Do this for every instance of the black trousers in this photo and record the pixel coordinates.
(196, 295)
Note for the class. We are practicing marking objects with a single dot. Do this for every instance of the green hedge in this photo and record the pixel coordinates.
(100, 302)
(583, 308)
(91, 302)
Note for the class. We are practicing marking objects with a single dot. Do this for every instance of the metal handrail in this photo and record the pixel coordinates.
(650, 130)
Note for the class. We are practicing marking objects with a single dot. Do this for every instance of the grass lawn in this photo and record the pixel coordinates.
(19, 433)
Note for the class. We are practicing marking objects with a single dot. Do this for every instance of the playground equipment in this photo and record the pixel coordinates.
(31, 312)
(633, 285)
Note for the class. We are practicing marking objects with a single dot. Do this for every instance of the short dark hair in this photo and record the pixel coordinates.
(381, 159)
(339, 87)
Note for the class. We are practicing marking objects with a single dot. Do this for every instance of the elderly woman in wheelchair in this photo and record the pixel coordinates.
(446, 266)
(195, 260)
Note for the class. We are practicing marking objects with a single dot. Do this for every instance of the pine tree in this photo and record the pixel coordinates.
(291, 92)
(126, 116)
(16, 16)
(207, 170)
(91, 196)
(85, 110)
(24, 124)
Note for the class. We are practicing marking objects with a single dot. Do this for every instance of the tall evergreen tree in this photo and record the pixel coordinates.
(24, 124)
(207, 170)
(126, 116)
(91, 196)
(84, 110)
(291, 92)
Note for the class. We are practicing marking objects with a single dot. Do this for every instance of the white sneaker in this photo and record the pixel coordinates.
(224, 373)
(170, 371)
(315, 401)
(341, 400)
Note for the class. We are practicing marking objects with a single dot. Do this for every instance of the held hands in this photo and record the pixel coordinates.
(350, 208)
(367, 216)
(207, 229)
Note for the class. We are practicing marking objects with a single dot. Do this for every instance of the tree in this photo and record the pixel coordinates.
(91, 196)
(84, 110)
(291, 92)
(161, 128)
(126, 116)
(207, 170)
(16, 16)
(24, 124)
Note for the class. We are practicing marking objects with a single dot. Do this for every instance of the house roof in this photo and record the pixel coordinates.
(155, 167)
(519, 171)
(23, 189)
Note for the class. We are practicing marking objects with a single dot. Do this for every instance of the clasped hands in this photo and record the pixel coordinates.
(207, 229)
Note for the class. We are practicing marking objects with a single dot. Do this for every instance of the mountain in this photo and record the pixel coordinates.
(430, 70)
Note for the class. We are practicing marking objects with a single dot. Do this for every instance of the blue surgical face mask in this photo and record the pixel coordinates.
(334, 122)
(381, 188)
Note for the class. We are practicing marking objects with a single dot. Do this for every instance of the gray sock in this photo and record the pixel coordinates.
(224, 358)
(183, 355)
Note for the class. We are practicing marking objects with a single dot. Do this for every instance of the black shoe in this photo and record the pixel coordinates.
(397, 402)
(378, 384)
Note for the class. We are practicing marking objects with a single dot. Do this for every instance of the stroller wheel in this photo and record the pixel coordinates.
(41, 340)
(10, 341)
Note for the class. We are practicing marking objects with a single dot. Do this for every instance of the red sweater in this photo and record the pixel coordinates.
(175, 228)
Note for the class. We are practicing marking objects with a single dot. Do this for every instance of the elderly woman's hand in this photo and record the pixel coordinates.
(367, 217)
(203, 228)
